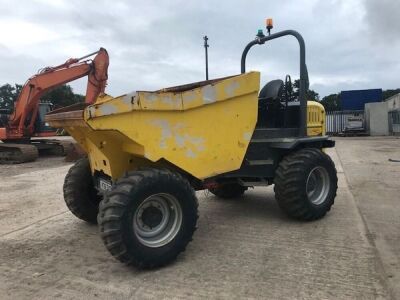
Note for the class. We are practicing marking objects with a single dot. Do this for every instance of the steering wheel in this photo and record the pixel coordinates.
(288, 86)
(288, 90)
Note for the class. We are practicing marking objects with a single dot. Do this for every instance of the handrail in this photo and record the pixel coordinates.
(303, 70)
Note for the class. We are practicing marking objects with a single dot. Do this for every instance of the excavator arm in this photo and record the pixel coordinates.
(21, 122)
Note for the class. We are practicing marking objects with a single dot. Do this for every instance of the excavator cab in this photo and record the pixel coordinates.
(42, 127)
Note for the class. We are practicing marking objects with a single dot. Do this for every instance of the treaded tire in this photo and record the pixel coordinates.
(119, 207)
(80, 195)
(228, 191)
(291, 180)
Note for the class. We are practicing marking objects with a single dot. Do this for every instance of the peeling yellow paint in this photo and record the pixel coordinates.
(204, 130)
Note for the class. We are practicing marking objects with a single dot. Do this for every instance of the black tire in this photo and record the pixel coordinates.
(228, 190)
(292, 181)
(80, 195)
(119, 210)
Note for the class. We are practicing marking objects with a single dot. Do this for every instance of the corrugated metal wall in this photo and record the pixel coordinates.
(336, 120)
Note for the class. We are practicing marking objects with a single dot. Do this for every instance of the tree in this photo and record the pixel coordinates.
(310, 94)
(60, 96)
(8, 94)
(331, 102)
(390, 93)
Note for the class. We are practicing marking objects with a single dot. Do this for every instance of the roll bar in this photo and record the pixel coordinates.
(303, 70)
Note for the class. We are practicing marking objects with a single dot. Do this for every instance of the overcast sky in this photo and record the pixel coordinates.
(350, 44)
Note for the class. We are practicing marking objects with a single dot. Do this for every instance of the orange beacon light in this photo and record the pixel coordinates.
(269, 24)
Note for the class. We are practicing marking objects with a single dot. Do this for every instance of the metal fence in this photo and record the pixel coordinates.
(338, 121)
(394, 122)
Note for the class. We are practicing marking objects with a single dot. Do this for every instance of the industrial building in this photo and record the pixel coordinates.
(383, 118)
(351, 118)
(364, 112)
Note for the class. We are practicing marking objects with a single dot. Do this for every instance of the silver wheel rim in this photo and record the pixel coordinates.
(157, 220)
(318, 185)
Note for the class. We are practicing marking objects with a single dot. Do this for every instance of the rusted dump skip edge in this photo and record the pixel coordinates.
(71, 115)
(72, 112)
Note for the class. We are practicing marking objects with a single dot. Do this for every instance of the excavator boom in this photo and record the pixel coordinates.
(20, 126)
(21, 122)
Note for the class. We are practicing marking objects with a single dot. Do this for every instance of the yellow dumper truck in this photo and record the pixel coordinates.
(148, 152)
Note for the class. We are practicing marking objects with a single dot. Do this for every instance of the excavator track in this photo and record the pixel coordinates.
(17, 153)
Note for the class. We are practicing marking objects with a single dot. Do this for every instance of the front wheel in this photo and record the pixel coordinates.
(148, 218)
(306, 184)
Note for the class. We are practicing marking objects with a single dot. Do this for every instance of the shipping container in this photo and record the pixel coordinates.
(356, 99)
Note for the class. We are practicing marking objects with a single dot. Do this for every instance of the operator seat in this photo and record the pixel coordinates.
(269, 104)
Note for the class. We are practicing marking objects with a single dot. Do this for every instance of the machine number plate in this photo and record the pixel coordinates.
(104, 185)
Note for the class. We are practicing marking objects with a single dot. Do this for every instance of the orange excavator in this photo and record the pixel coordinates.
(18, 128)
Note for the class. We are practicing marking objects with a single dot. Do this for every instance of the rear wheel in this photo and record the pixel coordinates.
(80, 195)
(306, 184)
(228, 190)
(148, 218)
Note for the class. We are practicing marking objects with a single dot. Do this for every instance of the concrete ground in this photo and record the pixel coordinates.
(244, 248)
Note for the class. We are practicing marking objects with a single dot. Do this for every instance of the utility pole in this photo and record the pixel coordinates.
(206, 51)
